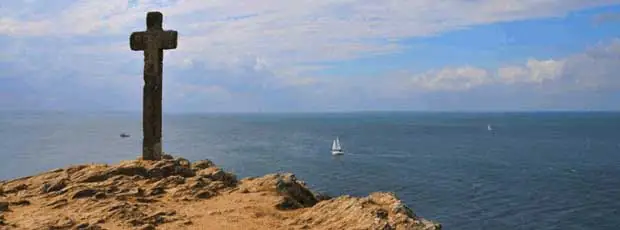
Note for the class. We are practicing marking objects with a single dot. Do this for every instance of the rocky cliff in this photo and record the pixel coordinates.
(178, 194)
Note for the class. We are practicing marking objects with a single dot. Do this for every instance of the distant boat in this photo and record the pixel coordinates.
(489, 127)
(125, 135)
(336, 148)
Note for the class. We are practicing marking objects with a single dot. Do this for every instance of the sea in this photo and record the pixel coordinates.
(535, 170)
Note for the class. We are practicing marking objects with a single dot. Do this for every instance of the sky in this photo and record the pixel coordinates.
(316, 56)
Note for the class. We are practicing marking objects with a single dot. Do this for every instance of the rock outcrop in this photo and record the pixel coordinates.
(178, 194)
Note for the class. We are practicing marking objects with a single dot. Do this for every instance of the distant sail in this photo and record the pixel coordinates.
(336, 148)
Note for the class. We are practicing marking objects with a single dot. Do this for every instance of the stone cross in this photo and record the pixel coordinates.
(152, 41)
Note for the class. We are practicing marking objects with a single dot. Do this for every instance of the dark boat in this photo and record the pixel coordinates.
(125, 135)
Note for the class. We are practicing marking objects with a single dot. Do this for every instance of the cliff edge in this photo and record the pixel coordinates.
(178, 194)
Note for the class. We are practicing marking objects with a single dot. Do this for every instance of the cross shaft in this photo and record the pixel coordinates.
(152, 41)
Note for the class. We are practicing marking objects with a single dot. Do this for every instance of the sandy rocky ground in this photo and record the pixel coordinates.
(176, 194)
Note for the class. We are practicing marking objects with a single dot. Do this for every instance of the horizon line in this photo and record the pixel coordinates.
(320, 112)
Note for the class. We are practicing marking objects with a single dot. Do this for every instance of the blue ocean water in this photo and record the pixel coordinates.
(532, 171)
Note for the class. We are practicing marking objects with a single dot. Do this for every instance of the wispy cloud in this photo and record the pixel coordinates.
(251, 53)
(594, 68)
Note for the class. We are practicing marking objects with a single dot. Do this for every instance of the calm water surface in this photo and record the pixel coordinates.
(532, 171)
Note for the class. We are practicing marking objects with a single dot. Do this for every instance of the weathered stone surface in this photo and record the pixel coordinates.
(129, 196)
(84, 193)
(16, 188)
(372, 212)
(217, 174)
(131, 170)
(4, 206)
(183, 162)
(57, 203)
(75, 168)
(100, 195)
(147, 227)
(285, 185)
(202, 164)
(205, 194)
(288, 203)
(152, 41)
(156, 191)
(166, 168)
(20, 203)
(63, 223)
(54, 185)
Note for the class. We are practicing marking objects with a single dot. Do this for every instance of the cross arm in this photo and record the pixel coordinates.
(163, 39)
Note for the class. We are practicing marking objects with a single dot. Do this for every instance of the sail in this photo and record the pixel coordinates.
(336, 145)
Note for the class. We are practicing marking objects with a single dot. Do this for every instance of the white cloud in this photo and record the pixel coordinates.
(534, 71)
(462, 78)
(277, 45)
(595, 68)
(287, 32)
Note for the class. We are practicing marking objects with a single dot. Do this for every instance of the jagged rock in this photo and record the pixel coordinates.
(217, 174)
(90, 174)
(135, 192)
(98, 173)
(54, 185)
(130, 170)
(147, 227)
(129, 194)
(63, 223)
(183, 162)
(73, 169)
(202, 164)
(285, 185)
(322, 196)
(145, 200)
(372, 212)
(381, 213)
(171, 181)
(87, 226)
(100, 195)
(401, 208)
(93, 227)
(216, 186)
(20, 203)
(82, 226)
(4, 206)
(159, 217)
(289, 186)
(156, 191)
(57, 203)
(198, 183)
(205, 194)
(111, 189)
(166, 168)
(288, 203)
(84, 193)
(16, 188)
(155, 173)
(187, 222)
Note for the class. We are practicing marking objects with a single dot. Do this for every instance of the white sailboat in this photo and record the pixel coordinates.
(336, 148)
(489, 127)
